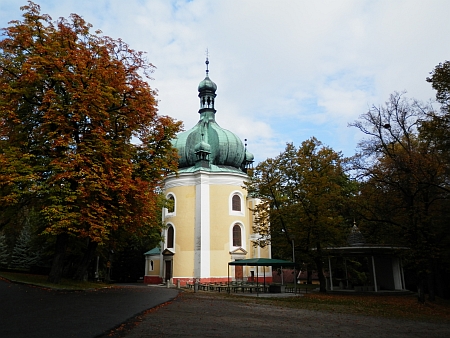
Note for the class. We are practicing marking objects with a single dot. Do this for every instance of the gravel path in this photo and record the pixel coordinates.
(203, 315)
(33, 312)
(140, 311)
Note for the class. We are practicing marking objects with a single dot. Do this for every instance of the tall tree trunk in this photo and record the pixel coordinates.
(84, 264)
(58, 260)
(421, 290)
(322, 280)
(319, 264)
(310, 275)
(431, 283)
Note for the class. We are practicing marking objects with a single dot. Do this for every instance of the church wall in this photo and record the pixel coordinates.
(183, 222)
(190, 192)
(152, 275)
(222, 221)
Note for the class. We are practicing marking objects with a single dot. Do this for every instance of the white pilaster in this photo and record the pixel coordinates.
(202, 227)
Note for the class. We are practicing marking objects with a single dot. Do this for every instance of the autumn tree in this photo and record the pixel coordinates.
(440, 81)
(404, 184)
(80, 136)
(303, 193)
(436, 128)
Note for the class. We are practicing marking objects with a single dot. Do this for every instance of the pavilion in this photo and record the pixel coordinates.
(385, 265)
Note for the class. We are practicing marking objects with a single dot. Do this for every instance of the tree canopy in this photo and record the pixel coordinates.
(303, 194)
(80, 135)
(404, 184)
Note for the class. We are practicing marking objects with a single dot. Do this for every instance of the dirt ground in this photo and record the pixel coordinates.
(210, 315)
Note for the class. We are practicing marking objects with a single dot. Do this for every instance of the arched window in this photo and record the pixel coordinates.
(170, 235)
(236, 203)
(237, 235)
(171, 204)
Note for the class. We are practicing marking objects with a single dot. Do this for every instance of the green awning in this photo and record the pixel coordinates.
(262, 262)
(153, 252)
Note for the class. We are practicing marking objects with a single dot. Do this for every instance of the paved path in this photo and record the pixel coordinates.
(205, 315)
(33, 312)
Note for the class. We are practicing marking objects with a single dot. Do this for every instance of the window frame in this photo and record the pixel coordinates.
(236, 201)
(242, 200)
(235, 233)
(166, 243)
(242, 232)
(167, 211)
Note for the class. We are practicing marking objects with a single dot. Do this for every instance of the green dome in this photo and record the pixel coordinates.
(207, 84)
(226, 149)
(249, 157)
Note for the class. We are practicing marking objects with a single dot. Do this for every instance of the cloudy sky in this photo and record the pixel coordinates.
(286, 70)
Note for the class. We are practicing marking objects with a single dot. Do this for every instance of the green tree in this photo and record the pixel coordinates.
(303, 194)
(404, 184)
(440, 81)
(435, 129)
(71, 102)
(4, 251)
(24, 255)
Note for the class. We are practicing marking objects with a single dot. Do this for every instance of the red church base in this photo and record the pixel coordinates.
(224, 280)
(152, 280)
(184, 281)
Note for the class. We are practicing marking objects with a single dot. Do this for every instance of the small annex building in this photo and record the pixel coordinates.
(209, 222)
(385, 269)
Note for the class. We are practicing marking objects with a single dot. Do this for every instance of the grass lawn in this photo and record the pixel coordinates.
(389, 306)
(40, 280)
(400, 307)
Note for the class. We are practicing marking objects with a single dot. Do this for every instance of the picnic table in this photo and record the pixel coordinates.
(224, 288)
(250, 288)
(233, 287)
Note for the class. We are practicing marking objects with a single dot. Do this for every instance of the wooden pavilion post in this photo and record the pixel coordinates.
(374, 275)
(331, 274)
(402, 274)
(228, 284)
(257, 281)
(264, 278)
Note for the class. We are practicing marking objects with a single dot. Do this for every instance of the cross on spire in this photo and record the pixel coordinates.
(207, 61)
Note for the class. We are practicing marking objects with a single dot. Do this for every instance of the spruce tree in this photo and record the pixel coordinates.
(4, 252)
(23, 256)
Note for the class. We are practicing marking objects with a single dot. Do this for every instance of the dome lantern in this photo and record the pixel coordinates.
(207, 91)
(356, 238)
(207, 145)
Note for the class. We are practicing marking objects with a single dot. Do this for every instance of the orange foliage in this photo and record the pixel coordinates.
(71, 103)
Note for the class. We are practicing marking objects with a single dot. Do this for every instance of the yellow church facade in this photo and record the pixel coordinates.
(210, 221)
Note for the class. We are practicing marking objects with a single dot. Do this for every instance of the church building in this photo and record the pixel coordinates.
(209, 222)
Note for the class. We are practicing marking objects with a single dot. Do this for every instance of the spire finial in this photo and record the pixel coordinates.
(207, 61)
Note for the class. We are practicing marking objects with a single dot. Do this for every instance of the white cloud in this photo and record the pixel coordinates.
(286, 70)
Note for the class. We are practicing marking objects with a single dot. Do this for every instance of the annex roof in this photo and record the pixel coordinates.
(153, 252)
(262, 262)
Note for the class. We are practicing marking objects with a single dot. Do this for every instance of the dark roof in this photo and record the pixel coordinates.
(262, 262)
(366, 249)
